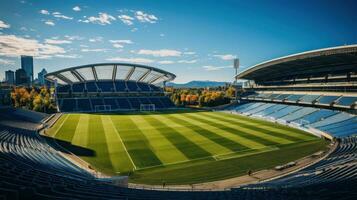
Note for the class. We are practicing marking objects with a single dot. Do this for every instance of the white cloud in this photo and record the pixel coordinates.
(93, 50)
(166, 62)
(145, 18)
(187, 61)
(4, 25)
(215, 68)
(44, 12)
(126, 19)
(59, 15)
(51, 41)
(121, 41)
(130, 60)
(134, 29)
(50, 23)
(160, 53)
(73, 37)
(13, 46)
(102, 19)
(225, 56)
(76, 8)
(162, 35)
(96, 39)
(6, 62)
(189, 53)
(117, 45)
(68, 56)
(84, 46)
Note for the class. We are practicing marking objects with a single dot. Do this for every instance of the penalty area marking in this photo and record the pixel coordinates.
(126, 150)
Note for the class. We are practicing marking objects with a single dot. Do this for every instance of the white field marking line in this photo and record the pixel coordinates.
(273, 147)
(61, 125)
(115, 129)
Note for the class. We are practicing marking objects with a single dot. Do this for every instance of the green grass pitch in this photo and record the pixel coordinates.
(182, 147)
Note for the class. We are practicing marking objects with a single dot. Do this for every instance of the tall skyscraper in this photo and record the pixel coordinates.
(41, 76)
(10, 77)
(27, 65)
(21, 77)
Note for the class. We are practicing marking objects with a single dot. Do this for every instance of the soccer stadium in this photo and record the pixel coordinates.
(117, 135)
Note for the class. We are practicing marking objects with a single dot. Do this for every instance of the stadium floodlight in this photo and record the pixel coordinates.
(236, 66)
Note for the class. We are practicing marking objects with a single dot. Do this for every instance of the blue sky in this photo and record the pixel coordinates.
(196, 40)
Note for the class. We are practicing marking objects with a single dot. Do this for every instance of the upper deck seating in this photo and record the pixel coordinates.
(78, 87)
(143, 87)
(63, 88)
(132, 86)
(120, 86)
(91, 87)
(294, 97)
(106, 86)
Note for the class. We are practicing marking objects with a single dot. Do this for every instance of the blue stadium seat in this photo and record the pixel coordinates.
(105, 86)
(346, 101)
(91, 87)
(78, 87)
(308, 98)
(132, 86)
(327, 99)
(143, 87)
(112, 102)
(124, 103)
(84, 105)
(68, 105)
(120, 86)
(63, 89)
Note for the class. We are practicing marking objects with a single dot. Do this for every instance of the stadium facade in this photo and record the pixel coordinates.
(315, 90)
(110, 87)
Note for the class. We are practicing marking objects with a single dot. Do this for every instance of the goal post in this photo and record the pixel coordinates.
(147, 107)
(101, 108)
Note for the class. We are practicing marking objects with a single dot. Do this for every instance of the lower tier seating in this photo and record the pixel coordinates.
(335, 123)
(113, 103)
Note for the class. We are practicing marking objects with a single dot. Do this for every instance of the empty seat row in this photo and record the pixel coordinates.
(108, 86)
(342, 101)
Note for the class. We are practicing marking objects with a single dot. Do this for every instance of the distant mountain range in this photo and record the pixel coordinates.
(197, 84)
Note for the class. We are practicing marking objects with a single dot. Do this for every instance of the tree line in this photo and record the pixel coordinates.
(35, 98)
(201, 97)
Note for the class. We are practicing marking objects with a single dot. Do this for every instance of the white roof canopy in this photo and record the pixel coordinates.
(110, 71)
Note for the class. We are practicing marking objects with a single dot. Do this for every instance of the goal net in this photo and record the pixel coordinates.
(101, 108)
(147, 107)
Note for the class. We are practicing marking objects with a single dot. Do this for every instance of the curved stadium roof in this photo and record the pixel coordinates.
(321, 62)
(110, 71)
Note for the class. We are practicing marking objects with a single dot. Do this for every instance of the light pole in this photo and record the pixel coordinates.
(236, 66)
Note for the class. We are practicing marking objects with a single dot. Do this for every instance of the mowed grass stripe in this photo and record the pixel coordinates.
(80, 137)
(277, 132)
(118, 156)
(253, 130)
(98, 142)
(189, 131)
(213, 135)
(68, 129)
(254, 141)
(136, 142)
(55, 128)
(188, 148)
(242, 142)
(164, 149)
(296, 133)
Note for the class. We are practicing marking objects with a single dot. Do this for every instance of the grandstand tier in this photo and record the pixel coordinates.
(110, 87)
